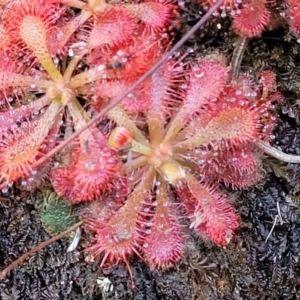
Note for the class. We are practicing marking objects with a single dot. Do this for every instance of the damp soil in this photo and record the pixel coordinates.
(255, 265)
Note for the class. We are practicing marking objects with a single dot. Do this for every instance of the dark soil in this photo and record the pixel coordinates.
(249, 268)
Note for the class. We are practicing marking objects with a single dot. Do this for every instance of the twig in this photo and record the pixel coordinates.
(277, 217)
(290, 158)
(274, 224)
(237, 57)
(75, 241)
(279, 214)
(40, 246)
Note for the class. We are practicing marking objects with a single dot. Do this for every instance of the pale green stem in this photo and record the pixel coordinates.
(192, 142)
(162, 198)
(48, 119)
(46, 61)
(289, 158)
(156, 130)
(73, 25)
(192, 136)
(177, 123)
(78, 114)
(204, 196)
(186, 132)
(126, 217)
(140, 148)
(33, 106)
(89, 76)
(118, 115)
(134, 164)
(72, 66)
(24, 81)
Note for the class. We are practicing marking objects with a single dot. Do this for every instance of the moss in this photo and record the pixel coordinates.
(55, 213)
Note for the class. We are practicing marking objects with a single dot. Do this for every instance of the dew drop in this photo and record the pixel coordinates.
(199, 75)
(204, 201)
(101, 67)
(71, 52)
(56, 61)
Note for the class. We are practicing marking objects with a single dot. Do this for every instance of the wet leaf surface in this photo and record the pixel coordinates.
(249, 268)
